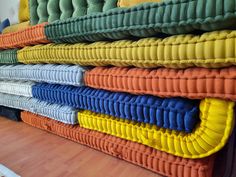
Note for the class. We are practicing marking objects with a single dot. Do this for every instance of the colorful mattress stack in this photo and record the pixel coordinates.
(149, 82)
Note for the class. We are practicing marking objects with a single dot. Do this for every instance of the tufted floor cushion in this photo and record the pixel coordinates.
(10, 113)
(145, 20)
(172, 113)
(8, 56)
(29, 36)
(196, 83)
(136, 153)
(52, 10)
(59, 74)
(210, 135)
(21, 88)
(63, 114)
(209, 50)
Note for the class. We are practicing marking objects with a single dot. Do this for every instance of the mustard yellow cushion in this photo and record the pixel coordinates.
(212, 133)
(129, 3)
(16, 27)
(24, 11)
(210, 50)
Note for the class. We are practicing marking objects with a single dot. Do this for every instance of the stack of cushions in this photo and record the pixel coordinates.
(152, 84)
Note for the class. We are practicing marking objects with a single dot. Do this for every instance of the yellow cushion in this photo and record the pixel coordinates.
(16, 27)
(210, 135)
(210, 50)
(24, 11)
(128, 3)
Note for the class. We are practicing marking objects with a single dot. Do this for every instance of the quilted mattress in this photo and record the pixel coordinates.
(170, 17)
(210, 50)
(209, 136)
(59, 74)
(60, 113)
(20, 88)
(10, 113)
(196, 83)
(51, 10)
(8, 56)
(173, 113)
(29, 36)
(149, 158)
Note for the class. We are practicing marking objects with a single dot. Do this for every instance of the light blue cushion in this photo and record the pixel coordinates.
(57, 112)
(20, 88)
(60, 74)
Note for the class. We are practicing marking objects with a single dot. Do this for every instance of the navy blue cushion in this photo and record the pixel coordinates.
(4, 24)
(173, 113)
(10, 113)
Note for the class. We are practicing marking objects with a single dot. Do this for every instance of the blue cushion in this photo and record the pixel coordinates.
(173, 113)
(57, 74)
(10, 113)
(4, 24)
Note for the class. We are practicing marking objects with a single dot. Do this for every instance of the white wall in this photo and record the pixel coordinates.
(9, 9)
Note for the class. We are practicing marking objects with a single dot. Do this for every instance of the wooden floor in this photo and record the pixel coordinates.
(31, 152)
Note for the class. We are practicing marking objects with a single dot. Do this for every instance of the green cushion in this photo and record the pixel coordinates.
(8, 56)
(148, 19)
(51, 10)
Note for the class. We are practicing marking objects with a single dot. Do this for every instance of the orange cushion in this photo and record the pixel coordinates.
(157, 161)
(194, 83)
(29, 36)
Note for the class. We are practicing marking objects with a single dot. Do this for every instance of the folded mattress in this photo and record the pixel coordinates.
(149, 19)
(172, 113)
(29, 36)
(136, 153)
(194, 83)
(59, 74)
(10, 113)
(51, 10)
(20, 88)
(63, 114)
(209, 50)
(209, 136)
(8, 56)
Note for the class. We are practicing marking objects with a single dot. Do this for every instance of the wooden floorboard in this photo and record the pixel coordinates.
(31, 152)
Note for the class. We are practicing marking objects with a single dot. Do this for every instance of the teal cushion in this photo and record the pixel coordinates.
(51, 10)
(8, 56)
(148, 19)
